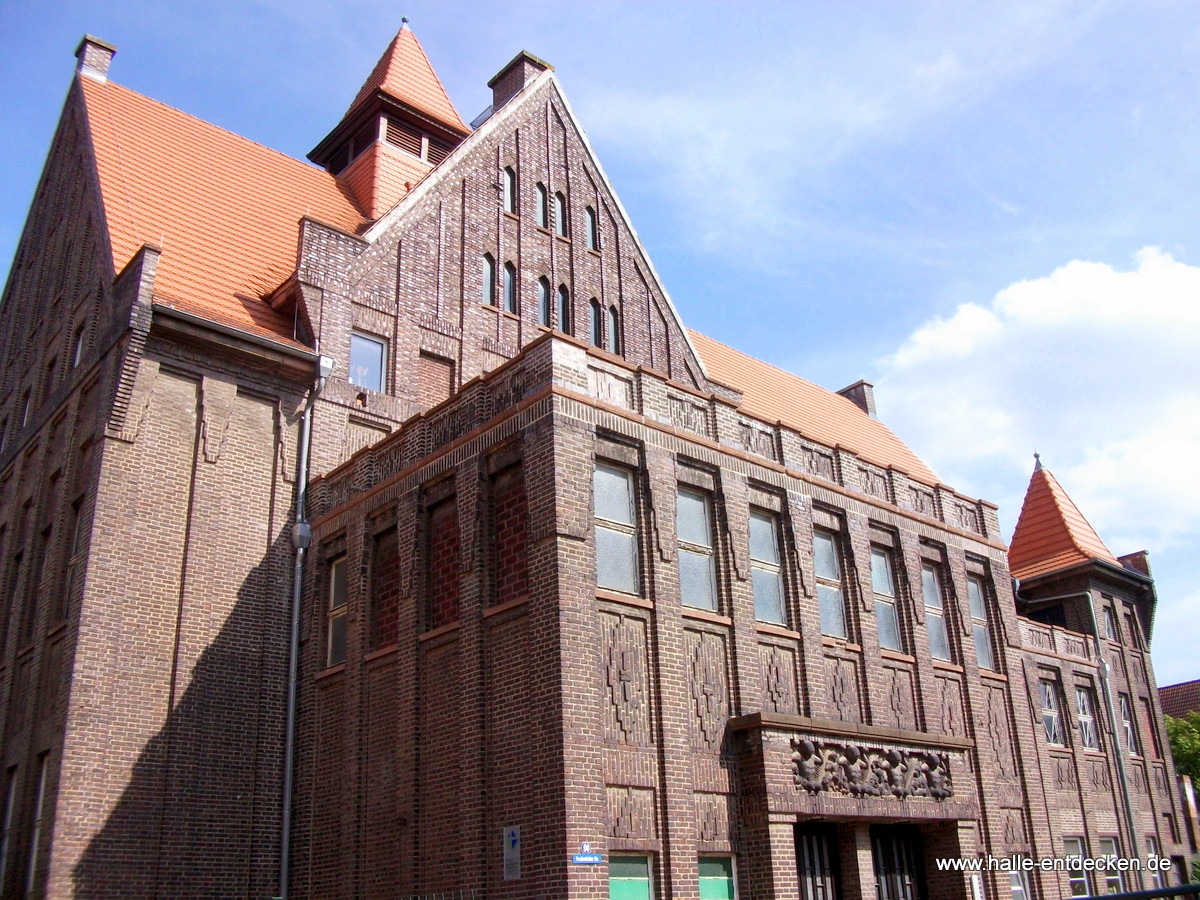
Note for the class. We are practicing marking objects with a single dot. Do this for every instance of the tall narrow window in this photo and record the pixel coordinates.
(616, 531)
(1085, 709)
(24, 417)
(338, 594)
(77, 347)
(542, 213)
(766, 573)
(1018, 886)
(1127, 727)
(39, 812)
(828, 569)
(509, 534)
(1152, 851)
(510, 287)
(716, 877)
(442, 552)
(368, 361)
(1072, 849)
(697, 568)
(560, 215)
(1148, 727)
(629, 878)
(935, 613)
(489, 280)
(545, 310)
(1051, 721)
(816, 861)
(614, 330)
(10, 797)
(596, 322)
(385, 589)
(976, 594)
(510, 190)
(1110, 621)
(1114, 882)
(592, 229)
(564, 309)
(883, 585)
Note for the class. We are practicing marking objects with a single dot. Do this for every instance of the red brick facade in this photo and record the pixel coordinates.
(476, 678)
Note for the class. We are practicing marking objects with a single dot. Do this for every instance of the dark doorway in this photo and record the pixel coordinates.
(816, 861)
(897, 853)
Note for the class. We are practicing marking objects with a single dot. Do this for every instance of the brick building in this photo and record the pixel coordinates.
(580, 603)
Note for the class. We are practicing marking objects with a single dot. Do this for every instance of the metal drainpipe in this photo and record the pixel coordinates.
(1106, 690)
(302, 538)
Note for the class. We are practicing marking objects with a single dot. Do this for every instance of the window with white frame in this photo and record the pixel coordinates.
(1051, 718)
(1110, 619)
(827, 567)
(766, 569)
(935, 611)
(1152, 856)
(1114, 882)
(697, 566)
(368, 361)
(1085, 711)
(337, 596)
(1018, 886)
(616, 529)
(976, 599)
(1073, 849)
(1127, 726)
(883, 586)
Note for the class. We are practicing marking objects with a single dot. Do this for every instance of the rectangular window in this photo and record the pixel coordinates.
(935, 612)
(697, 567)
(883, 585)
(1113, 881)
(1152, 856)
(616, 531)
(338, 593)
(1085, 708)
(1073, 847)
(560, 216)
(443, 563)
(1051, 720)
(716, 877)
(1133, 633)
(830, 593)
(1018, 885)
(629, 878)
(976, 597)
(10, 796)
(1148, 727)
(368, 359)
(766, 573)
(77, 345)
(816, 861)
(895, 852)
(1127, 726)
(1110, 619)
(39, 812)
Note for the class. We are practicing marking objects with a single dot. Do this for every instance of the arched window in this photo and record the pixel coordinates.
(510, 288)
(593, 232)
(489, 280)
(596, 322)
(614, 330)
(560, 216)
(544, 308)
(542, 213)
(510, 190)
(564, 309)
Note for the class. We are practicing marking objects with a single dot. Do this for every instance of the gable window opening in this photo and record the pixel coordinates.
(697, 563)
(338, 593)
(935, 613)
(596, 322)
(976, 594)
(560, 214)
(542, 211)
(509, 179)
(1085, 711)
(564, 309)
(368, 361)
(614, 330)
(545, 309)
(592, 229)
(489, 280)
(1051, 720)
(883, 585)
(827, 567)
(766, 570)
(510, 288)
(616, 529)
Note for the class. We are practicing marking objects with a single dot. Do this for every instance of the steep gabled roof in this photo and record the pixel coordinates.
(404, 73)
(1051, 533)
(775, 395)
(223, 209)
(1180, 699)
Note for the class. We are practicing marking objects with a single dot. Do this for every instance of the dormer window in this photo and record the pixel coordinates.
(509, 185)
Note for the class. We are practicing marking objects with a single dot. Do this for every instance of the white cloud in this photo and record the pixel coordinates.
(1095, 368)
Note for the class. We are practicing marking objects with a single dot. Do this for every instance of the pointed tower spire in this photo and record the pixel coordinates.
(404, 74)
(1051, 533)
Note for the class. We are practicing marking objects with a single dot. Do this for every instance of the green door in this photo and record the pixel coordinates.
(629, 878)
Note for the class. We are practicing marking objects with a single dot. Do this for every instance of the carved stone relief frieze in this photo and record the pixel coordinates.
(1064, 774)
(819, 464)
(864, 771)
(778, 679)
(899, 705)
(843, 686)
(610, 388)
(709, 688)
(951, 706)
(625, 669)
(689, 416)
(1099, 773)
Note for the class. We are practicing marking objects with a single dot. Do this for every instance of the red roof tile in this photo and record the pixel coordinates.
(1180, 699)
(404, 72)
(775, 395)
(1051, 533)
(223, 209)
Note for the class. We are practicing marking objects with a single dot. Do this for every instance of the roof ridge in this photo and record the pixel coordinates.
(1060, 495)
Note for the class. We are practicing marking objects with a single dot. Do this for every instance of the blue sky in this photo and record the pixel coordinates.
(988, 209)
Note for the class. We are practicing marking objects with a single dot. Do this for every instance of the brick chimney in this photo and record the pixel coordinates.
(862, 395)
(523, 68)
(94, 57)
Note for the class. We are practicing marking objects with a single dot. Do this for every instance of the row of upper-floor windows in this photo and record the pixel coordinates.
(549, 210)
(775, 578)
(52, 374)
(1057, 727)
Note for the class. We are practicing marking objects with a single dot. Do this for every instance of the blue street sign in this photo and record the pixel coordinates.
(587, 859)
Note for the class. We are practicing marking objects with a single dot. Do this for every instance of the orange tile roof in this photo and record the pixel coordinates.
(223, 209)
(404, 72)
(1180, 699)
(379, 176)
(821, 415)
(1051, 533)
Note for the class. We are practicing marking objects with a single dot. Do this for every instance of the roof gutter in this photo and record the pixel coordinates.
(290, 350)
